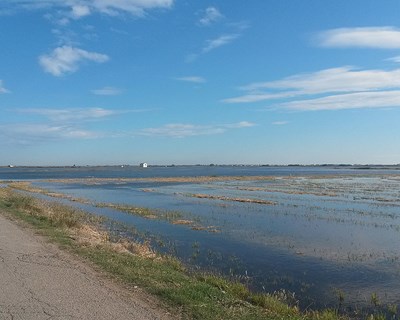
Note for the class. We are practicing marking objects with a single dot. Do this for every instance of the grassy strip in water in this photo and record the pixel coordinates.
(143, 212)
(27, 186)
(195, 296)
(225, 198)
(174, 217)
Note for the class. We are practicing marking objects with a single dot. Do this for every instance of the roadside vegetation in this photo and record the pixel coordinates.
(186, 294)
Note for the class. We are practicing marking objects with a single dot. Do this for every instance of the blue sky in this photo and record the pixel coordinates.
(187, 82)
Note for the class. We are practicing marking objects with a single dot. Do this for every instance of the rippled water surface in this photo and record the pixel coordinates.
(313, 231)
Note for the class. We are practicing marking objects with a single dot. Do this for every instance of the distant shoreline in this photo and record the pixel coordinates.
(333, 166)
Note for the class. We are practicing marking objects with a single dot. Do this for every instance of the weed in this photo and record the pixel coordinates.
(375, 299)
(340, 295)
(379, 316)
(392, 308)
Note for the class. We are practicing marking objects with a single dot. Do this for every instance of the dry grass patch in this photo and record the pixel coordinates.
(143, 250)
(183, 222)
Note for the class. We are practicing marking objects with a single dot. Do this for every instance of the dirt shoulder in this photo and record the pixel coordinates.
(40, 281)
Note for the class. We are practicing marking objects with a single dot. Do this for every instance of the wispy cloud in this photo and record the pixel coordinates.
(27, 134)
(343, 79)
(329, 89)
(67, 59)
(2, 89)
(54, 125)
(258, 96)
(180, 130)
(107, 91)
(210, 16)
(366, 37)
(10, 7)
(213, 44)
(233, 30)
(193, 79)
(239, 26)
(68, 115)
(241, 124)
(77, 9)
(133, 7)
(380, 99)
(394, 59)
(336, 86)
(280, 123)
(219, 42)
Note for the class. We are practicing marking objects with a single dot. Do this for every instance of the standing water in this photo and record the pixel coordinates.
(323, 233)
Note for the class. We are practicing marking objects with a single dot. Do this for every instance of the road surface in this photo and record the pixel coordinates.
(39, 281)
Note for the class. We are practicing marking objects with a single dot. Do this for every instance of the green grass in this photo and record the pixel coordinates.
(197, 296)
(187, 295)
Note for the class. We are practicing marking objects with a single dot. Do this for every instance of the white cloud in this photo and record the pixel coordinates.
(66, 59)
(2, 89)
(280, 123)
(79, 11)
(55, 125)
(380, 99)
(344, 79)
(62, 22)
(335, 80)
(59, 124)
(180, 130)
(213, 44)
(211, 15)
(194, 79)
(367, 37)
(36, 133)
(255, 97)
(10, 7)
(329, 89)
(107, 91)
(219, 42)
(394, 59)
(68, 115)
(241, 124)
(134, 7)
(81, 8)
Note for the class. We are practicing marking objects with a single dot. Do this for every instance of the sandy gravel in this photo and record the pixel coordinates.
(39, 281)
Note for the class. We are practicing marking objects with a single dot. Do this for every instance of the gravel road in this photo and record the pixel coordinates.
(39, 281)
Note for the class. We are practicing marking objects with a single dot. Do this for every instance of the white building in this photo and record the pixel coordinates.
(143, 165)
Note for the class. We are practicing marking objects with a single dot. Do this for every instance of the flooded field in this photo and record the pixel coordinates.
(331, 239)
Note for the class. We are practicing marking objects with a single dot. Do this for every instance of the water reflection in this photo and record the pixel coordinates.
(321, 234)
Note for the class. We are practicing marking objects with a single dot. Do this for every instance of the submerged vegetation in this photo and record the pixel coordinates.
(225, 198)
(174, 217)
(358, 258)
(187, 294)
